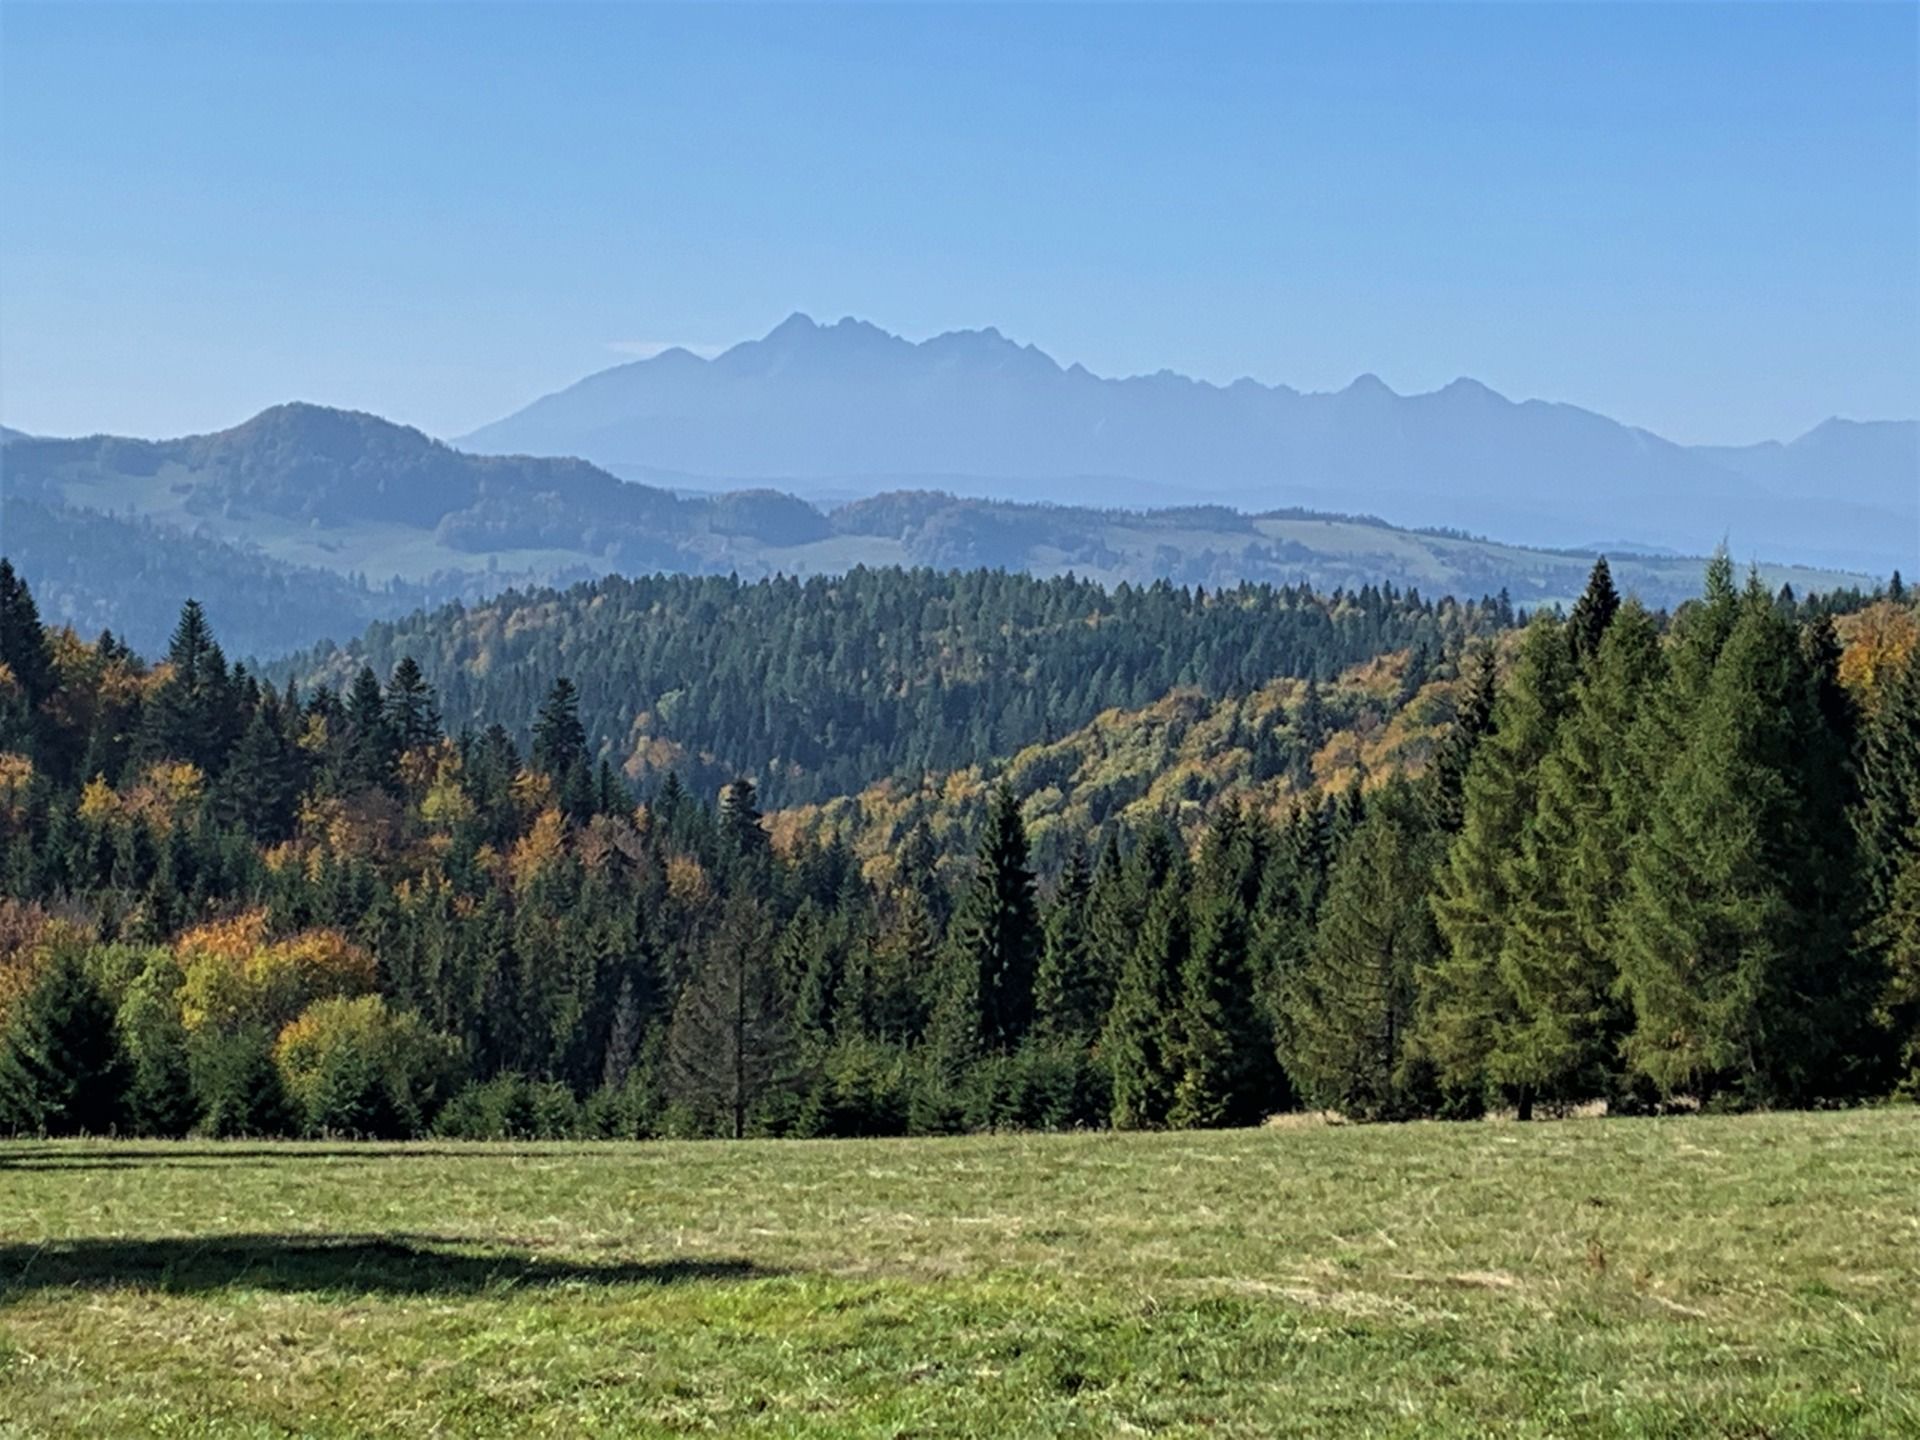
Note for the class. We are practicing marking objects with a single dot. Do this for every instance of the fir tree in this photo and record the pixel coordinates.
(1472, 722)
(1222, 1044)
(25, 654)
(412, 719)
(160, 1081)
(1559, 1030)
(371, 747)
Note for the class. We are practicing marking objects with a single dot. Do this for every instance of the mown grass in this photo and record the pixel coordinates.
(1742, 1277)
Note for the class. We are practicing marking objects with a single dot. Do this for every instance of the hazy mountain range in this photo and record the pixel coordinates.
(846, 409)
(305, 523)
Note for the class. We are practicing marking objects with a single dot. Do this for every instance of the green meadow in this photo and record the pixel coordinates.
(1701, 1276)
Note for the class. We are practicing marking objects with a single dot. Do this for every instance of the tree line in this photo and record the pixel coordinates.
(1652, 863)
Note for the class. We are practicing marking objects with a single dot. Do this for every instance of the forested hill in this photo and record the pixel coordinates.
(819, 687)
(1655, 865)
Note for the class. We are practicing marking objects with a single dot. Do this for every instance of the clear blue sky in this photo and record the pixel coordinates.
(1703, 219)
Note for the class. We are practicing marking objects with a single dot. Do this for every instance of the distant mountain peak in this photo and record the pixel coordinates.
(1368, 383)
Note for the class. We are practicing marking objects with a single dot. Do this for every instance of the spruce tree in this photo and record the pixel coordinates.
(1069, 1002)
(1138, 1042)
(1592, 613)
(1472, 722)
(731, 1044)
(412, 718)
(372, 751)
(160, 1098)
(28, 657)
(1465, 1001)
(995, 940)
(1350, 1006)
(1559, 1030)
(1222, 1045)
(1736, 924)
(61, 1068)
(559, 739)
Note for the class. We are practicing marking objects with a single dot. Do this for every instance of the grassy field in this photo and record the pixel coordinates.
(1750, 1277)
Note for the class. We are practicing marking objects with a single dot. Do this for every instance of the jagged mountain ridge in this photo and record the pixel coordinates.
(822, 407)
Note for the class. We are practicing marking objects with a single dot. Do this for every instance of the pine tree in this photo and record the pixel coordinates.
(995, 941)
(731, 1043)
(1350, 1007)
(1465, 1000)
(61, 1070)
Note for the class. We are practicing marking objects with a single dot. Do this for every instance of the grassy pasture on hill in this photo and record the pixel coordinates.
(1697, 1276)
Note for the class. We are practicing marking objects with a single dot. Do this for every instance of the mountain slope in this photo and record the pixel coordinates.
(833, 406)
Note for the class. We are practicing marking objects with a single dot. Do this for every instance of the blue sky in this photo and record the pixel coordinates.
(1702, 219)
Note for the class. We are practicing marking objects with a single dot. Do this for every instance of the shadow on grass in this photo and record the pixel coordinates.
(200, 1155)
(395, 1264)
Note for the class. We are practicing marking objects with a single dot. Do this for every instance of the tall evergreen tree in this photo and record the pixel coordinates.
(1138, 1043)
(731, 1044)
(28, 658)
(1559, 1029)
(1223, 1044)
(1350, 1007)
(559, 739)
(61, 1069)
(1734, 936)
(412, 718)
(1069, 1002)
(1465, 1000)
(1472, 722)
(996, 938)
(1592, 613)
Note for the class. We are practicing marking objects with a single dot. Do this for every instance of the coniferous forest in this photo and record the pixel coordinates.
(1656, 861)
